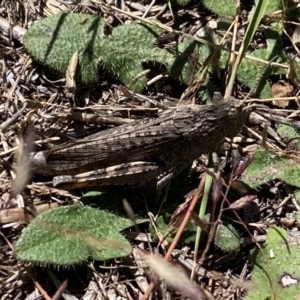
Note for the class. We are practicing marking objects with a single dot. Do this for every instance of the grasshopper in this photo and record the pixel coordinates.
(140, 151)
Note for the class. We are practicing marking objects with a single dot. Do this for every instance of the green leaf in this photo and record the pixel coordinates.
(128, 47)
(282, 9)
(272, 6)
(52, 41)
(226, 236)
(295, 68)
(271, 273)
(252, 72)
(297, 195)
(259, 11)
(251, 29)
(134, 44)
(289, 134)
(181, 2)
(72, 234)
(162, 224)
(268, 165)
(221, 7)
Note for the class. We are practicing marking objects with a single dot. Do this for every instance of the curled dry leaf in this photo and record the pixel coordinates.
(60, 291)
(243, 164)
(176, 277)
(23, 165)
(216, 190)
(241, 203)
(202, 223)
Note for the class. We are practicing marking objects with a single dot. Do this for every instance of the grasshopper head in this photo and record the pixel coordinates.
(232, 116)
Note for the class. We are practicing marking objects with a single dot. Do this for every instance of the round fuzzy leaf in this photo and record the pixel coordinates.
(53, 41)
(133, 44)
(129, 46)
(277, 274)
(221, 7)
(256, 75)
(268, 165)
(72, 234)
(227, 238)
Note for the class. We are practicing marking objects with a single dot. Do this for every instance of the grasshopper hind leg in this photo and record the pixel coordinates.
(129, 173)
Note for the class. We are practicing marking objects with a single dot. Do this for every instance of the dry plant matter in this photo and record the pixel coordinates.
(192, 51)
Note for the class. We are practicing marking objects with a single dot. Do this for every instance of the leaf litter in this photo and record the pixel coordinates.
(33, 93)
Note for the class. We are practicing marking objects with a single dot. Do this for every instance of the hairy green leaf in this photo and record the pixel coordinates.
(289, 134)
(54, 40)
(221, 7)
(277, 276)
(255, 74)
(72, 234)
(268, 165)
